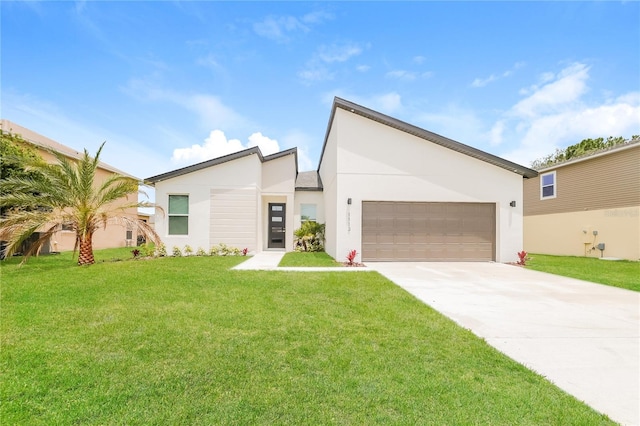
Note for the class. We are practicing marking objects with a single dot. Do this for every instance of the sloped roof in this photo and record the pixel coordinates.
(423, 134)
(226, 158)
(308, 181)
(45, 143)
(633, 143)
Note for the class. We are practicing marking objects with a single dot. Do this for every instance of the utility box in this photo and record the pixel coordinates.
(600, 246)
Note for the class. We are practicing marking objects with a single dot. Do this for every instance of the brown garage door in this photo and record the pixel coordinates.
(410, 231)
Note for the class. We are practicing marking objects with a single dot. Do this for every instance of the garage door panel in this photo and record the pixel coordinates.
(415, 231)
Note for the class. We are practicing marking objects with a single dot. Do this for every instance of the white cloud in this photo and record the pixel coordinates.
(217, 145)
(570, 84)
(267, 145)
(419, 59)
(338, 52)
(555, 114)
(363, 68)
(481, 82)
(210, 109)
(316, 69)
(279, 28)
(495, 135)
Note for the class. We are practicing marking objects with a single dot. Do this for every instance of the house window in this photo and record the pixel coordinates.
(178, 214)
(548, 185)
(308, 212)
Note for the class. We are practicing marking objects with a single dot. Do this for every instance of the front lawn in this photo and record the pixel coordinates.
(616, 273)
(188, 341)
(306, 259)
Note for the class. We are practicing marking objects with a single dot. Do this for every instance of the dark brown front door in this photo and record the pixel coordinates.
(277, 215)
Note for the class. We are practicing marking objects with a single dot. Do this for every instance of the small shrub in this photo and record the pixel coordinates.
(161, 250)
(351, 256)
(522, 258)
(310, 236)
(245, 251)
(201, 252)
(188, 251)
(214, 251)
(224, 250)
(147, 250)
(176, 251)
(135, 253)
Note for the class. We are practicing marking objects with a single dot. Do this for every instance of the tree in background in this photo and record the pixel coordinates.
(66, 194)
(586, 146)
(15, 153)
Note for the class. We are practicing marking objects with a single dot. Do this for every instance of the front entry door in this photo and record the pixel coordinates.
(277, 215)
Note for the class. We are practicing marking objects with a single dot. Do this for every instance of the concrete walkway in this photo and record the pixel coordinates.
(583, 337)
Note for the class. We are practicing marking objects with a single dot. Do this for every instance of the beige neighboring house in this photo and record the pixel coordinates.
(386, 188)
(586, 204)
(113, 235)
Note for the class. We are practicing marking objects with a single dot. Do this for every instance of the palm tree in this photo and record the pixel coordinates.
(67, 194)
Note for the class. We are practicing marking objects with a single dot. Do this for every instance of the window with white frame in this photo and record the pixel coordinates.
(548, 185)
(178, 214)
(308, 212)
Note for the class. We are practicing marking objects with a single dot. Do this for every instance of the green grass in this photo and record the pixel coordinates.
(616, 273)
(188, 341)
(321, 259)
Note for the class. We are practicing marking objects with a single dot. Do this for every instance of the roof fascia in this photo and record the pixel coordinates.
(224, 159)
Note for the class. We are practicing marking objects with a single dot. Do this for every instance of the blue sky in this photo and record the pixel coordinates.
(172, 83)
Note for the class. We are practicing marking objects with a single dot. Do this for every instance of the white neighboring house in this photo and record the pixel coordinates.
(388, 189)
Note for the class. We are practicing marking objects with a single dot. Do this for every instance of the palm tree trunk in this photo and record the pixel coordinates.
(85, 256)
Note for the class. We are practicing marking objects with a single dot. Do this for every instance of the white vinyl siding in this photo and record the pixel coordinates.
(233, 218)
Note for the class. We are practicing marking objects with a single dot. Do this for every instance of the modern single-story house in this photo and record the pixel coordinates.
(386, 188)
(586, 206)
(114, 235)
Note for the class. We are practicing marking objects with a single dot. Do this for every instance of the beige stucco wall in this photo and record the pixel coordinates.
(571, 234)
(375, 162)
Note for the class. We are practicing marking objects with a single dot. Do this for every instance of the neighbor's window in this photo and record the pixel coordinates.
(178, 214)
(308, 212)
(548, 185)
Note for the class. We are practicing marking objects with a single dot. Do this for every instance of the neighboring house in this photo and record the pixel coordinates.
(573, 207)
(389, 190)
(63, 240)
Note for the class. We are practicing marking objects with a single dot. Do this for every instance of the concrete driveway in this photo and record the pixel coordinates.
(583, 337)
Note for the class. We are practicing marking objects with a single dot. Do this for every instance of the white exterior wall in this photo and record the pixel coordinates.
(379, 163)
(243, 174)
(328, 174)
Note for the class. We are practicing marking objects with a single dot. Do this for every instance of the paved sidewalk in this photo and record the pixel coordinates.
(584, 337)
(269, 260)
